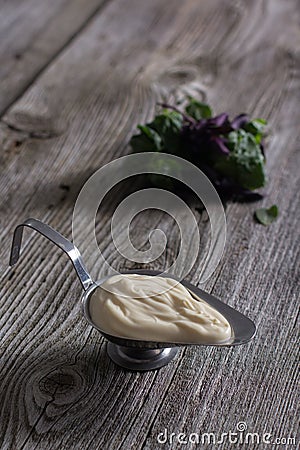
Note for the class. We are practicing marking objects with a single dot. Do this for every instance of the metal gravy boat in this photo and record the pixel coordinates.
(129, 353)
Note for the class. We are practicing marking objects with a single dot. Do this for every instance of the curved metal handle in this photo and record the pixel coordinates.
(57, 239)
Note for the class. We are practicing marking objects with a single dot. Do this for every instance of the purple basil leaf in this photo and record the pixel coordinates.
(219, 120)
(220, 145)
(201, 124)
(239, 121)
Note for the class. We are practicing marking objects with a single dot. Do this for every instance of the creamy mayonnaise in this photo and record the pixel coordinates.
(153, 308)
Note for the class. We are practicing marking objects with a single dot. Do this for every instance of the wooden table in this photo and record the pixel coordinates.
(75, 79)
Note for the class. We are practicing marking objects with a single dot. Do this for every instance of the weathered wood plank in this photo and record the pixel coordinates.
(59, 390)
(31, 34)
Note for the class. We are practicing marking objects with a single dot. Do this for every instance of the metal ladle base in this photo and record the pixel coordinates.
(140, 359)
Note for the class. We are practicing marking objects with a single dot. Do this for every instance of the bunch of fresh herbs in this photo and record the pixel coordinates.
(229, 152)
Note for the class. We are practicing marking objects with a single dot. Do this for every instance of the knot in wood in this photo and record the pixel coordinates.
(60, 382)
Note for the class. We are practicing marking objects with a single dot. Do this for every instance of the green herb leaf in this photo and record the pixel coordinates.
(245, 162)
(162, 134)
(266, 216)
(257, 128)
(198, 110)
(168, 125)
(147, 141)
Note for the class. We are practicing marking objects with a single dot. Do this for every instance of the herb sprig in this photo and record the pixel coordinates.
(266, 216)
(229, 152)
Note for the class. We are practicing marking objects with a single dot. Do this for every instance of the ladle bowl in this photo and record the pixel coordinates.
(129, 353)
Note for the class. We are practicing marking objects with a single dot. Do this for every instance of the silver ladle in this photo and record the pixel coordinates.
(129, 353)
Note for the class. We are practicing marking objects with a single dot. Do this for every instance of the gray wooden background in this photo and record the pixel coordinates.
(75, 79)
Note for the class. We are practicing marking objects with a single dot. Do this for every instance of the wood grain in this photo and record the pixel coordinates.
(58, 388)
(32, 33)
